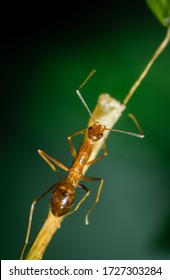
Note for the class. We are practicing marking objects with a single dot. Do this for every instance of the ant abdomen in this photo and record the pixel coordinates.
(62, 199)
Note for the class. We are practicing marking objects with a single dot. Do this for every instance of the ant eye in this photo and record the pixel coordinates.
(101, 135)
(90, 128)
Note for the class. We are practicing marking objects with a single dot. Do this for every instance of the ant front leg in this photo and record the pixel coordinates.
(99, 157)
(48, 160)
(97, 196)
(72, 149)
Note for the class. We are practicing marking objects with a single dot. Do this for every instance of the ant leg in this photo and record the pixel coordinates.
(136, 123)
(72, 149)
(82, 200)
(97, 196)
(48, 159)
(99, 157)
(31, 216)
(139, 135)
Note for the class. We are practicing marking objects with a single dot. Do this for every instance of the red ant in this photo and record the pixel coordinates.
(63, 195)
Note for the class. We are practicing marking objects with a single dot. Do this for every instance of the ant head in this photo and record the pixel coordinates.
(95, 132)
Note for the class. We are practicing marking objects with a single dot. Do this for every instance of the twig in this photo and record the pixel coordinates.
(44, 236)
(107, 112)
(145, 71)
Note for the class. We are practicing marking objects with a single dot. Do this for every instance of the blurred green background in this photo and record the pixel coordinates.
(45, 56)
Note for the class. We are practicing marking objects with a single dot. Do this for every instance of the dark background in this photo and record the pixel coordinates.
(46, 52)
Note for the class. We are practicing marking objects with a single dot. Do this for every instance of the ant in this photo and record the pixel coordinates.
(63, 195)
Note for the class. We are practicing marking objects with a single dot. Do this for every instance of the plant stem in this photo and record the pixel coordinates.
(44, 236)
(148, 66)
(107, 111)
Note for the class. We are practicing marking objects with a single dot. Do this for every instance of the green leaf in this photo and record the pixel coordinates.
(161, 9)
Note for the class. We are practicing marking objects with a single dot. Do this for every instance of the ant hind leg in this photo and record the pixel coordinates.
(82, 200)
(31, 216)
(97, 196)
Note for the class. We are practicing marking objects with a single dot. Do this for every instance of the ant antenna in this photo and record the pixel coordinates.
(81, 97)
(87, 78)
(141, 135)
(126, 132)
